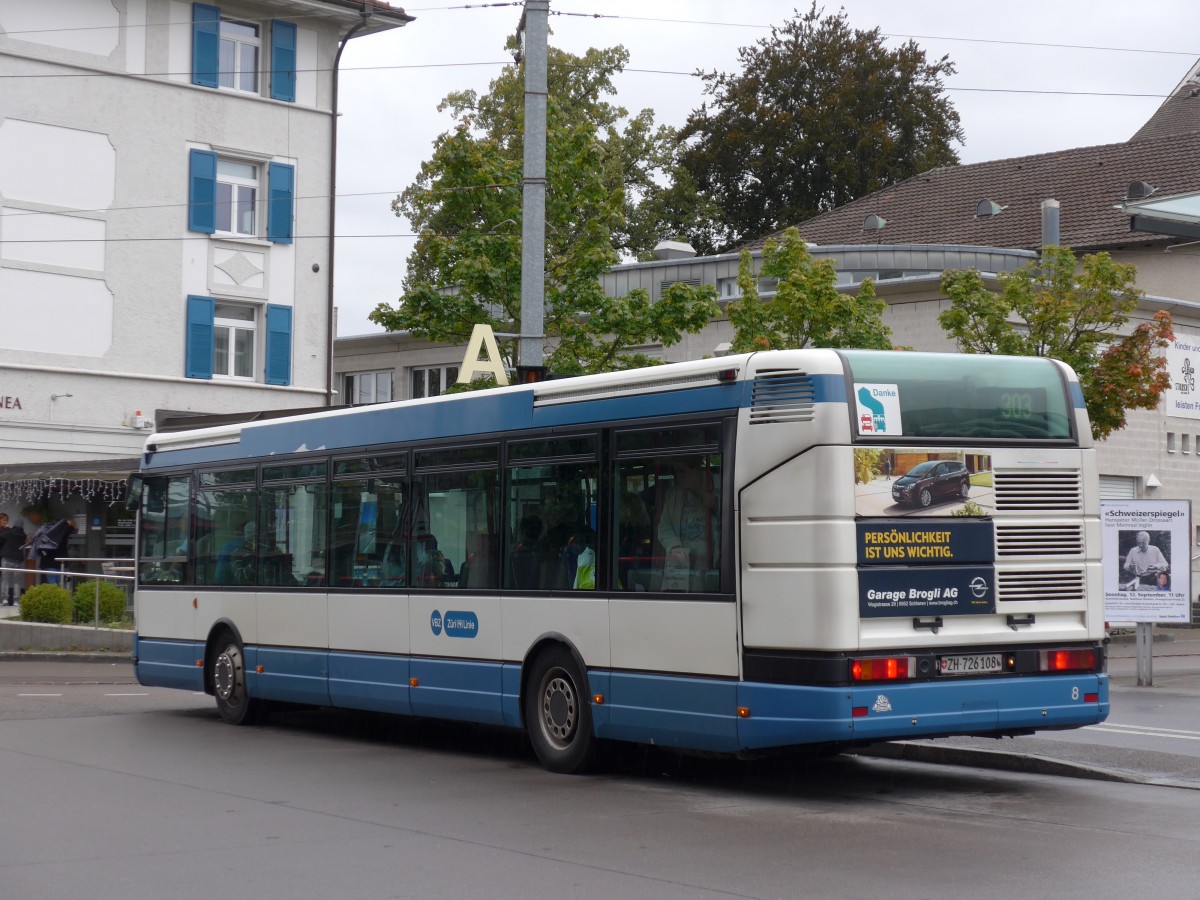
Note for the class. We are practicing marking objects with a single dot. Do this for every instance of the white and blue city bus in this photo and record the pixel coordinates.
(725, 555)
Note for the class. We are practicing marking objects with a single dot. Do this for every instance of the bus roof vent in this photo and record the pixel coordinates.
(781, 395)
(1023, 490)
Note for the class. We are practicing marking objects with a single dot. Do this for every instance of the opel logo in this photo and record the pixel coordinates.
(979, 587)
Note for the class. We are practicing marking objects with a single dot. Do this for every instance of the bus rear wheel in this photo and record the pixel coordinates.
(558, 713)
(228, 672)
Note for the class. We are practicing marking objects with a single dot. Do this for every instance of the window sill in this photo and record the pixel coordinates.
(242, 239)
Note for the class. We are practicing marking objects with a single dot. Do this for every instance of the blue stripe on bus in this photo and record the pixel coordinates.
(485, 413)
(669, 710)
(168, 663)
(900, 711)
(457, 689)
(295, 676)
(368, 681)
(640, 406)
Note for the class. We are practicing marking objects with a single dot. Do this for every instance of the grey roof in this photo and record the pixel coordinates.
(939, 206)
(1179, 113)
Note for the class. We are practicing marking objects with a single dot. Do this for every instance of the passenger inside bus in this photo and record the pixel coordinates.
(689, 528)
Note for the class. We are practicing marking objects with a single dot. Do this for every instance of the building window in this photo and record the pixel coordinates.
(224, 195)
(432, 380)
(1170, 442)
(233, 341)
(226, 53)
(222, 341)
(237, 191)
(238, 64)
(727, 289)
(368, 387)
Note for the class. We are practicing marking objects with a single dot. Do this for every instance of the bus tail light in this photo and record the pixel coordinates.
(1083, 660)
(882, 668)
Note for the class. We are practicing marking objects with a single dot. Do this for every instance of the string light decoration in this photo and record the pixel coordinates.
(29, 490)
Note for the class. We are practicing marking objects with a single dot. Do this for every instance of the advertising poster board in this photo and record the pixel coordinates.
(922, 481)
(1146, 551)
(926, 543)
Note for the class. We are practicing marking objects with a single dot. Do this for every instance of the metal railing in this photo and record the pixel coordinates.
(113, 564)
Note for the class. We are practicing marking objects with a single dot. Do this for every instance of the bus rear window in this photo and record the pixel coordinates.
(945, 395)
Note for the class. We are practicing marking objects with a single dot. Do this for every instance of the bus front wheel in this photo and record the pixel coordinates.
(229, 684)
(558, 713)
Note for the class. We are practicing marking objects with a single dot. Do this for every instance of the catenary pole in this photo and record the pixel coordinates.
(533, 204)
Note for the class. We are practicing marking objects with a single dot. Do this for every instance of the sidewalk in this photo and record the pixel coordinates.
(1099, 752)
(77, 643)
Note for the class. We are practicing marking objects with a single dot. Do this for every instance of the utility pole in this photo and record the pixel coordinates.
(531, 34)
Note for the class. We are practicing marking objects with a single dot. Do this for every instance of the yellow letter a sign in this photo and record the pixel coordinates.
(482, 337)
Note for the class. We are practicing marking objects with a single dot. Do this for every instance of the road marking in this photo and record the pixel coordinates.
(1147, 731)
(130, 694)
(39, 695)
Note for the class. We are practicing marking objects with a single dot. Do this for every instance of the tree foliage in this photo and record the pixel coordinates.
(807, 309)
(466, 207)
(1072, 311)
(821, 114)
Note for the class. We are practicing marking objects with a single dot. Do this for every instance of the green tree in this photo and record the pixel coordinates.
(1074, 311)
(466, 207)
(807, 309)
(821, 114)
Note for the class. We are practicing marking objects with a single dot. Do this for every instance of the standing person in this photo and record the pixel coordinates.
(887, 468)
(12, 539)
(49, 543)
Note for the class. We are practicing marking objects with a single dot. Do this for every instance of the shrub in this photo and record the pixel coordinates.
(970, 508)
(46, 603)
(112, 602)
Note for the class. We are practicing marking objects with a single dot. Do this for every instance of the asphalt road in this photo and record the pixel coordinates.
(116, 792)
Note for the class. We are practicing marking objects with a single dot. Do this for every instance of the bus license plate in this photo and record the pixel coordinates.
(975, 664)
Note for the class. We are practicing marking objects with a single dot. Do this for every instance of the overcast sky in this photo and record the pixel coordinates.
(1022, 85)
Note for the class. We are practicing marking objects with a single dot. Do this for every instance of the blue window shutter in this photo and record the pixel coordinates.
(283, 61)
(279, 344)
(199, 362)
(280, 189)
(206, 44)
(202, 191)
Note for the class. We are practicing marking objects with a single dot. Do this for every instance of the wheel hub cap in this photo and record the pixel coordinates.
(558, 709)
(223, 677)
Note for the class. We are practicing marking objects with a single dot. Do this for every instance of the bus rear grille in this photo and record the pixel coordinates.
(781, 395)
(1039, 540)
(1024, 490)
(1063, 584)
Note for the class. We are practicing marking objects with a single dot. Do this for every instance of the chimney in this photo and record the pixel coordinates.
(1051, 234)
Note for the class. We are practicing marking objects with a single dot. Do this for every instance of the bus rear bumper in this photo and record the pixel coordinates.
(782, 715)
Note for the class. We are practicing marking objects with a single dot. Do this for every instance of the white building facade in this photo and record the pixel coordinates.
(166, 184)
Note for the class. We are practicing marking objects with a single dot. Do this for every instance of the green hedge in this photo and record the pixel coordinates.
(46, 603)
(112, 603)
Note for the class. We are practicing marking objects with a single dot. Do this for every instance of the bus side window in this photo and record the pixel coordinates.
(456, 536)
(164, 530)
(553, 508)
